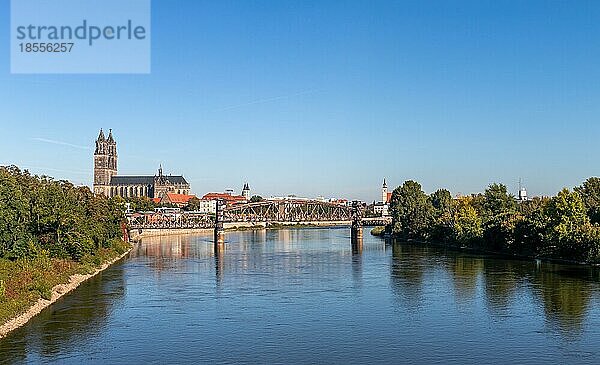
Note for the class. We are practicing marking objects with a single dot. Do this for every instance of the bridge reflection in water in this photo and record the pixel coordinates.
(251, 248)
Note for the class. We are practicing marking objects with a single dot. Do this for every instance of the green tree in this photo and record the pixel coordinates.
(40, 216)
(569, 225)
(141, 204)
(411, 211)
(499, 217)
(442, 228)
(256, 199)
(590, 194)
(14, 214)
(499, 231)
(497, 200)
(441, 200)
(467, 223)
(531, 232)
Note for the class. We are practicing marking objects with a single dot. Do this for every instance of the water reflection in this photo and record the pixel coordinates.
(502, 280)
(465, 272)
(219, 265)
(407, 273)
(357, 262)
(565, 293)
(309, 296)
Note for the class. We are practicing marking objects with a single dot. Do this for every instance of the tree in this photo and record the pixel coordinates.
(14, 213)
(499, 231)
(40, 216)
(411, 211)
(141, 204)
(256, 199)
(569, 223)
(497, 201)
(467, 223)
(443, 210)
(441, 201)
(567, 209)
(499, 217)
(590, 194)
(531, 231)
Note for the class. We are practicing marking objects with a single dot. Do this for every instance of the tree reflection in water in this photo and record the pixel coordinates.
(563, 291)
(501, 281)
(407, 272)
(465, 271)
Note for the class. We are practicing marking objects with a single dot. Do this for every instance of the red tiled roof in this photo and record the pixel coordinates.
(226, 197)
(156, 200)
(178, 198)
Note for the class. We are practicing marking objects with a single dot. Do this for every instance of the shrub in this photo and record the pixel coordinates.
(43, 288)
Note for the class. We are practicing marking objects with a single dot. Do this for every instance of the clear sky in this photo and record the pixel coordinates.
(328, 97)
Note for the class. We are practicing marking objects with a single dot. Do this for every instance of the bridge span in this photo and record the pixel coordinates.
(259, 214)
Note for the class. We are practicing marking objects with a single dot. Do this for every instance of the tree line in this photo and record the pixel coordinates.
(565, 226)
(42, 216)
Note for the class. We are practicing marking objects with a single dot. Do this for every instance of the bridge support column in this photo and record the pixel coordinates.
(356, 233)
(219, 238)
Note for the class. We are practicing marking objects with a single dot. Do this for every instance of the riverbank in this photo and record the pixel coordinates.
(487, 252)
(30, 286)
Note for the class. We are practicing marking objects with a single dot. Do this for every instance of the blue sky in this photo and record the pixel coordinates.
(328, 97)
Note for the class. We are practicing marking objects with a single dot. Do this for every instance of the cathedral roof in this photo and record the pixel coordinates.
(110, 136)
(132, 180)
(101, 136)
(145, 180)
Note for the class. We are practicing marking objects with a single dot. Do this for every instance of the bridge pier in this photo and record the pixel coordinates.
(219, 237)
(356, 232)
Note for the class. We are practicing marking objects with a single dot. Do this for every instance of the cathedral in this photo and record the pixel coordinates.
(107, 182)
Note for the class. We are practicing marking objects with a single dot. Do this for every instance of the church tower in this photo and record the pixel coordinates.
(384, 192)
(105, 163)
(246, 191)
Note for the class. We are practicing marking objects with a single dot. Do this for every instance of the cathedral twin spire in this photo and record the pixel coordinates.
(101, 137)
(106, 149)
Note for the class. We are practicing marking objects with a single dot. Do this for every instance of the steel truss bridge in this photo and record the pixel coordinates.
(288, 211)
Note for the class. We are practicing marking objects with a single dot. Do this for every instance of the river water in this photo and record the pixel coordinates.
(304, 296)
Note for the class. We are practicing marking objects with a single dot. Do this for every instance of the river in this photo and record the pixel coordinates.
(303, 296)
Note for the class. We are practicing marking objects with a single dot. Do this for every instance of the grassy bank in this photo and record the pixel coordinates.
(24, 281)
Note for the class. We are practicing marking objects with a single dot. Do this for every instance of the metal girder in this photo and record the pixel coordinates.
(168, 221)
(287, 211)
